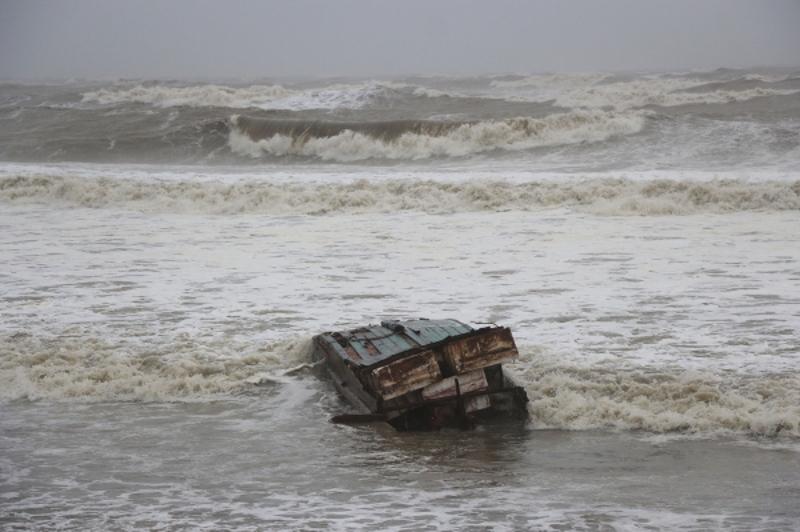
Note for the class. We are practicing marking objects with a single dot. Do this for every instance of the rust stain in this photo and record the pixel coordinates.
(406, 375)
(422, 374)
(490, 347)
(352, 353)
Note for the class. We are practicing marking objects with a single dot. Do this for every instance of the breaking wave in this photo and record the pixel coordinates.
(601, 196)
(562, 396)
(561, 80)
(571, 91)
(90, 369)
(191, 96)
(346, 142)
(635, 96)
(593, 91)
(581, 398)
(277, 97)
(548, 121)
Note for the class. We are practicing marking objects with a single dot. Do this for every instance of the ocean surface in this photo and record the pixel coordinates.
(168, 249)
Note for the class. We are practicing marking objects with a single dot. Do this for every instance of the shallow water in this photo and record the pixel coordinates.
(271, 461)
(681, 329)
(155, 319)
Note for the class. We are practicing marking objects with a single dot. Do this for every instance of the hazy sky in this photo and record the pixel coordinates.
(251, 39)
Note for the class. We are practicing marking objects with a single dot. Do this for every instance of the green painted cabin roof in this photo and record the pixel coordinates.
(374, 344)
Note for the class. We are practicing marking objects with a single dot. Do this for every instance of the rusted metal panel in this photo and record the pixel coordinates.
(473, 381)
(406, 375)
(486, 348)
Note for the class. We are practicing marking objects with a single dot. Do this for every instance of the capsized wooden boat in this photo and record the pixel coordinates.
(423, 374)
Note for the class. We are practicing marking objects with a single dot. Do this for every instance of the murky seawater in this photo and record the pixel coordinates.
(637, 232)
(271, 461)
(660, 354)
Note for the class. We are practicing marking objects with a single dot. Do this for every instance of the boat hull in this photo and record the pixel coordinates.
(455, 381)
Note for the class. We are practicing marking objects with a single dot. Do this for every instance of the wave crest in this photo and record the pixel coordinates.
(191, 96)
(601, 196)
(422, 140)
(639, 94)
(582, 398)
(563, 396)
(275, 97)
(90, 369)
(570, 91)
(591, 91)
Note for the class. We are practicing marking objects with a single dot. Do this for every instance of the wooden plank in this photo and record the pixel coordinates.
(473, 381)
(406, 375)
(473, 404)
(485, 348)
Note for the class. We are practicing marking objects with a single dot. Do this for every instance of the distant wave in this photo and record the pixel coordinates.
(595, 91)
(602, 196)
(277, 97)
(421, 140)
(634, 96)
(192, 96)
(569, 91)
(553, 121)
(548, 80)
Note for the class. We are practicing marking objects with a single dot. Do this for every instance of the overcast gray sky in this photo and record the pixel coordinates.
(253, 39)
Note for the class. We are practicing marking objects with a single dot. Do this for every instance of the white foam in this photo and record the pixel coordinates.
(642, 93)
(605, 196)
(90, 369)
(543, 87)
(563, 395)
(192, 96)
(471, 138)
(583, 396)
(766, 78)
(661, 324)
(336, 96)
(575, 91)
(548, 80)
(592, 91)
